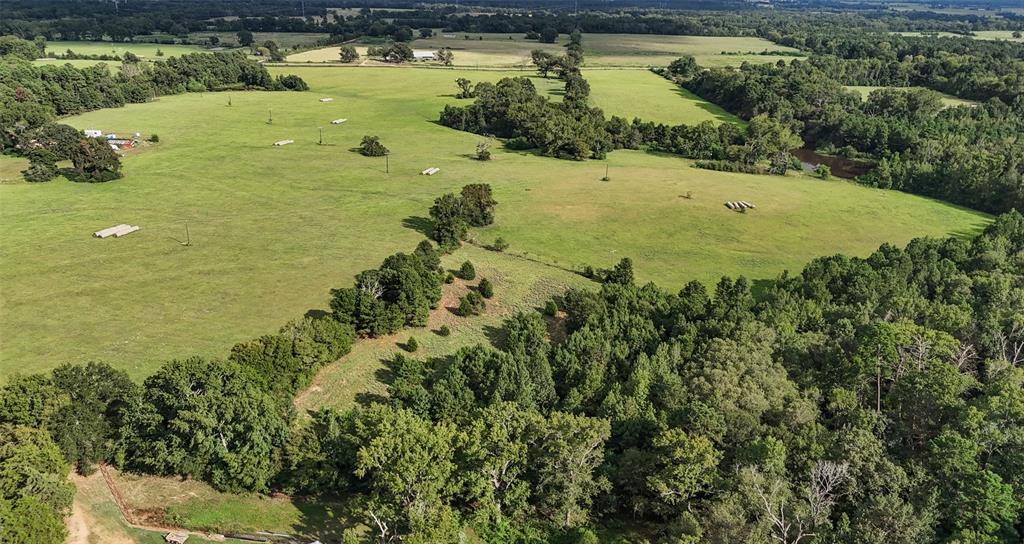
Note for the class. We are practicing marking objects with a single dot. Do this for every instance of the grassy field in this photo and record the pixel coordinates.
(949, 100)
(602, 50)
(96, 519)
(269, 240)
(644, 94)
(11, 167)
(147, 50)
(282, 39)
(997, 35)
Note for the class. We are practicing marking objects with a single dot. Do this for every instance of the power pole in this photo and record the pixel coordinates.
(270, 121)
(321, 135)
(387, 163)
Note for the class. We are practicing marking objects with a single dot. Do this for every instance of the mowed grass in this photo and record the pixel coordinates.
(274, 228)
(644, 94)
(948, 100)
(490, 50)
(147, 50)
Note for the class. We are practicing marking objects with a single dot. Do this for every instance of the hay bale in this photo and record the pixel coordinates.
(327, 100)
(338, 121)
(109, 231)
(124, 232)
(283, 142)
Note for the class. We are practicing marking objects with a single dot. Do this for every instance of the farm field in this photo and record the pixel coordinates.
(283, 39)
(644, 94)
(270, 240)
(997, 35)
(147, 50)
(949, 100)
(603, 50)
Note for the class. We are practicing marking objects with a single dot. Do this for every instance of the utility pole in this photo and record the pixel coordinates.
(321, 135)
(270, 121)
(387, 164)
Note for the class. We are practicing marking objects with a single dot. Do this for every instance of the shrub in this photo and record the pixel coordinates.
(412, 345)
(471, 304)
(466, 271)
(154, 138)
(371, 147)
(483, 151)
(551, 308)
(823, 171)
(486, 288)
(444, 331)
(730, 166)
(499, 245)
(39, 172)
(450, 278)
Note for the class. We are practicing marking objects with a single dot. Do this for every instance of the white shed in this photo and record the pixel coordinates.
(422, 54)
(92, 133)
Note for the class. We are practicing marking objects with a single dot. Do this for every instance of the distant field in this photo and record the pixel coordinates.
(949, 100)
(273, 229)
(996, 35)
(147, 50)
(602, 50)
(1006, 35)
(643, 94)
(282, 39)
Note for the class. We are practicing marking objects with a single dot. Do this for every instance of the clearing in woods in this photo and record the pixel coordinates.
(270, 239)
(948, 100)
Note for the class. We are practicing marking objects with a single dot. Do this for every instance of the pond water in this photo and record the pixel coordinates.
(842, 168)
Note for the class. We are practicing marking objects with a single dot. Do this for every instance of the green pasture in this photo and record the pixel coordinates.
(282, 39)
(948, 100)
(644, 94)
(272, 229)
(147, 50)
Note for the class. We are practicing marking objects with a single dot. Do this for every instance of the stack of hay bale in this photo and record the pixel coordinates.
(739, 205)
(116, 231)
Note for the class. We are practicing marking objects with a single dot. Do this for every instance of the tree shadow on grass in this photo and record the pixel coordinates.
(316, 313)
(419, 224)
(717, 111)
(325, 518)
(497, 336)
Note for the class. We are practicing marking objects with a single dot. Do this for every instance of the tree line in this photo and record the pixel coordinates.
(32, 97)
(98, 21)
(572, 129)
(969, 155)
